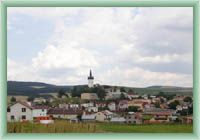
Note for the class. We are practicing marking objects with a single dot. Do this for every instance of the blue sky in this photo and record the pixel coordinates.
(123, 46)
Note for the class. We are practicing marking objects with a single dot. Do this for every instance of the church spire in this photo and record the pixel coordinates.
(90, 76)
(90, 73)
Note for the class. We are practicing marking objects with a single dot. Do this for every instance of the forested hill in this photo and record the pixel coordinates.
(36, 88)
(33, 88)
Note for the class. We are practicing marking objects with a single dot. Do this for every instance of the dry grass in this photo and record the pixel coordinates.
(18, 98)
(57, 127)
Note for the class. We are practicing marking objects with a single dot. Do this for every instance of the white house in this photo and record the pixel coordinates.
(118, 120)
(39, 100)
(20, 111)
(39, 111)
(104, 116)
(112, 106)
(92, 109)
(91, 104)
(88, 117)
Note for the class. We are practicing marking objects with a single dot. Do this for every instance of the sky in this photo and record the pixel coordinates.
(135, 47)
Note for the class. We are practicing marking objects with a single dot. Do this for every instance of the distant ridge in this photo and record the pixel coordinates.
(36, 88)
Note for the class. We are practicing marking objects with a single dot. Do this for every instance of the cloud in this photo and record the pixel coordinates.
(122, 45)
(139, 77)
(64, 56)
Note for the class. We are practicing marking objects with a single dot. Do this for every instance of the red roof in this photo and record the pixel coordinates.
(63, 111)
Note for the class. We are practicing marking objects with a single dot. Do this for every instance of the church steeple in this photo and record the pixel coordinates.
(90, 76)
(90, 79)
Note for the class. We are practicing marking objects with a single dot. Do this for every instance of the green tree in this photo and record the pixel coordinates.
(133, 108)
(161, 94)
(122, 89)
(30, 99)
(61, 92)
(130, 90)
(157, 105)
(122, 96)
(173, 104)
(101, 92)
(13, 99)
(187, 99)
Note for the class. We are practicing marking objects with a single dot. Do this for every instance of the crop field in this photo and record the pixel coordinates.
(67, 127)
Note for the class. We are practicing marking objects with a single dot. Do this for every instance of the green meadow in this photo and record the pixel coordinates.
(67, 127)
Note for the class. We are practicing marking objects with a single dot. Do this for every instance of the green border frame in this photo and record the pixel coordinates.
(99, 3)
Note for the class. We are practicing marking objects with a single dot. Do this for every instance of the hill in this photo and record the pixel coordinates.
(38, 88)
(33, 88)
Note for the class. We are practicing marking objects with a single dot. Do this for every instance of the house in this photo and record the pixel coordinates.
(85, 105)
(173, 117)
(104, 116)
(187, 120)
(133, 118)
(112, 106)
(132, 96)
(123, 104)
(39, 111)
(73, 106)
(20, 111)
(116, 94)
(89, 96)
(113, 94)
(92, 109)
(39, 100)
(66, 106)
(62, 113)
(118, 120)
(88, 117)
(140, 103)
(44, 120)
(155, 111)
(145, 96)
(100, 104)
(159, 115)
(155, 100)
(179, 108)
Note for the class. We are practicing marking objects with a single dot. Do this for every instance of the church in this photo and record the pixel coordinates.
(90, 80)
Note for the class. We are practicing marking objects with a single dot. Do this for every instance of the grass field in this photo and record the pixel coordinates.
(151, 128)
(66, 127)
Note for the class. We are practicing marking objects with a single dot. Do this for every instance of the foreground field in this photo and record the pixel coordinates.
(153, 128)
(66, 127)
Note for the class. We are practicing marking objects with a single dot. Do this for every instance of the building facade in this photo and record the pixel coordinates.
(19, 112)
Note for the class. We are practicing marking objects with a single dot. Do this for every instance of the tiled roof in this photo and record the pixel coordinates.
(25, 104)
(63, 111)
(158, 111)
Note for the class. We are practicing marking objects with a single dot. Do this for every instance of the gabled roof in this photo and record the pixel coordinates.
(106, 112)
(22, 103)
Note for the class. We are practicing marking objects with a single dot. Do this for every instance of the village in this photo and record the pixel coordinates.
(103, 104)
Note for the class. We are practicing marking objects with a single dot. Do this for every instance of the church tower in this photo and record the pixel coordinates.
(90, 80)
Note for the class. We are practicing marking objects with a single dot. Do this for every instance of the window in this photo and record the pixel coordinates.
(23, 109)
(12, 117)
(8, 109)
(23, 117)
